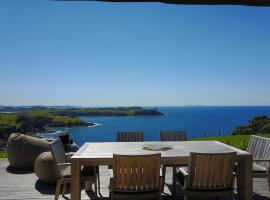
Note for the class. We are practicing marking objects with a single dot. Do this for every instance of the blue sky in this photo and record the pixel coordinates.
(145, 54)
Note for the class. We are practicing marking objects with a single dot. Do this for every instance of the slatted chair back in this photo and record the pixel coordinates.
(58, 153)
(210, 171)
(136, 173)
(130, 136)
(259, 147)
(173, 136)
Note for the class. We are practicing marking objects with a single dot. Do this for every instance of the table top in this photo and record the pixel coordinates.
(102, 152)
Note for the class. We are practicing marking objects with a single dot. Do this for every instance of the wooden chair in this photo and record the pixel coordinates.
(171, 136)
(63, 169)
(131, 136)
(209, 175)
(136, 177)
(260, 149)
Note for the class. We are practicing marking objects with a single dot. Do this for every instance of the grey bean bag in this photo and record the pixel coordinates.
(45, 168)
(23, 150)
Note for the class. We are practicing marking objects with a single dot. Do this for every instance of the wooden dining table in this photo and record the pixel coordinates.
(172, 153)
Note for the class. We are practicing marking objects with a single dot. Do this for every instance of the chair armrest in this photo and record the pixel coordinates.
(68, 155)
(62, 167)
(63, 164)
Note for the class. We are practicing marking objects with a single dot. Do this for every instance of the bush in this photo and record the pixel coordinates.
(259, 124)
(6, 130)
(242, 130)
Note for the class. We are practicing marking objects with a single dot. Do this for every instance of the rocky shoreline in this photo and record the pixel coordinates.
(37, 119)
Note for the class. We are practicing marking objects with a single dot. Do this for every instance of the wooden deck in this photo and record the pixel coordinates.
(24, 185)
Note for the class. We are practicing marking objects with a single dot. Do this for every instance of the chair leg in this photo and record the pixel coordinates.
(98, 179)
(95, 179)
(111, 196)
(96, 187)
(64, 189)
(88, 185)
(163, 174)
(268, 179)
(111, 189)
(231, 196)
(160, 196)
(57, 190)
(174, 182)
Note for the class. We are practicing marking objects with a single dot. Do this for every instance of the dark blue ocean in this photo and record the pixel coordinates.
(198, 121)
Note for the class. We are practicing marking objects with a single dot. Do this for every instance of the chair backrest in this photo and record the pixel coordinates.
(211, 170)
(173, 136)
(260, 149)
(136, 173)
(131, 136)
(58, 151)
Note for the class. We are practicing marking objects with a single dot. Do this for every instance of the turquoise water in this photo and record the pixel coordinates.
(197, 121)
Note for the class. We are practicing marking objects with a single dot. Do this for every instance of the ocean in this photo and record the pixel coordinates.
(198, 121)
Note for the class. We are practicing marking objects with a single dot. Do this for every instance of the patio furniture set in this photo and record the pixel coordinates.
(137, 168)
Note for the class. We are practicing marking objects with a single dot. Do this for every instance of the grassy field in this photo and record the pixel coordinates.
(66, 119)
(238, 141)
(120, 111)
(13, 122)
(8, 119)
(3, 154)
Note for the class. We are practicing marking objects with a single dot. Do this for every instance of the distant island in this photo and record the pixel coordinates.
(34, 119)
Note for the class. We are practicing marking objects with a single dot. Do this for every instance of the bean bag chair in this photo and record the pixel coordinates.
(45, 168)
(23, 150)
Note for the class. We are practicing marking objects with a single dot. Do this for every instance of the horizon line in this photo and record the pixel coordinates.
(3, 105)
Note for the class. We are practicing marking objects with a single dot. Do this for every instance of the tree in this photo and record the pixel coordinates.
(259, 124)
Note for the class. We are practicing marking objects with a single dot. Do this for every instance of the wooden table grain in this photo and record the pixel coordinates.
(101, 153)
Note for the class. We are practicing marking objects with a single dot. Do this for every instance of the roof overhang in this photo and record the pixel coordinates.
(197, 2)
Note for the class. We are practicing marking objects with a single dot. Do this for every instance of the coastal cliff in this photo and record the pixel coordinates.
(34, 119)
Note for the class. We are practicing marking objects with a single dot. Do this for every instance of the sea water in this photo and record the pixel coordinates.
(197, 121)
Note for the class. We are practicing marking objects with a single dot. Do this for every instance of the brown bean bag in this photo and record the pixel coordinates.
(45, 168)
(23, 150)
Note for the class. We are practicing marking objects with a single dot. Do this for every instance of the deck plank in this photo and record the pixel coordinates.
(24, 185)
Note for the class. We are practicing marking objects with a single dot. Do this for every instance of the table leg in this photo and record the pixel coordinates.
(174, 182)
(98, 180)
(245, 178)
(75, 184)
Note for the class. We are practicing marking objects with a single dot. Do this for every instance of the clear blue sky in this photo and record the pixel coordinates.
(113, 54)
